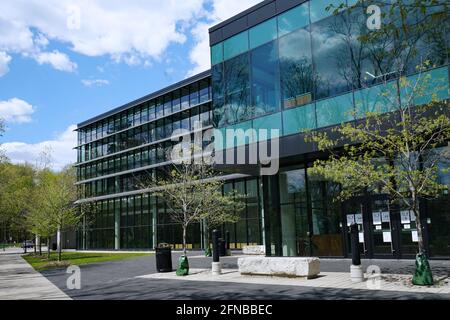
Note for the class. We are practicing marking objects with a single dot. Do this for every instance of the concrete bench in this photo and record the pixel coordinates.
(257, 250)
(308, 267)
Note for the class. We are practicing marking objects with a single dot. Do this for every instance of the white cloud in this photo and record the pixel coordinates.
(16, 37)
(61, 148)
(94, 82)
(221, 10)
(16, 111)
(128, 31)
(4, 62)
(57, 60)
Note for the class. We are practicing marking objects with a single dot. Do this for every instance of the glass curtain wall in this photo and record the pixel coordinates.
(308, 221)
(331, 68)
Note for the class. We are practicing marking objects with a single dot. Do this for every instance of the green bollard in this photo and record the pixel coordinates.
(422, 275)
(183, 266)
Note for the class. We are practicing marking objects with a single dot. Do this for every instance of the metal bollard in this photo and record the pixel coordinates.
(356, 273)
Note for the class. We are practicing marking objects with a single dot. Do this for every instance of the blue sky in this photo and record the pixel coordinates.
(62, 62)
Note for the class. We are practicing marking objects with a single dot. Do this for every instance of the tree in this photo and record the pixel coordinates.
(2, 130)
(57, 197)
(16, 183)
(38, 220)
(193, 192)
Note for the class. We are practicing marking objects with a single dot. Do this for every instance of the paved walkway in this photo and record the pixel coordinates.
(137, 279)
(334, 280)
(19, 281)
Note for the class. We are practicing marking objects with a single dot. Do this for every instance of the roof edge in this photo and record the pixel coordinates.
(146, 98)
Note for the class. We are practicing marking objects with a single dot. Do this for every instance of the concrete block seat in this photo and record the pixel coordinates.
(305, 267)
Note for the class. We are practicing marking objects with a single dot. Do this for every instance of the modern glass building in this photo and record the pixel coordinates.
(290, 65)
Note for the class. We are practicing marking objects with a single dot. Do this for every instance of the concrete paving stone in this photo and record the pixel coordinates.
(123, 280)
(20, 281)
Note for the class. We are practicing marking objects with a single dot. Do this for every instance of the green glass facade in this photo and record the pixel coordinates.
(119, 153)
(302, 69)
(311, 62)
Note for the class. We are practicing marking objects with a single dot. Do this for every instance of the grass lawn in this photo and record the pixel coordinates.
(41, 263)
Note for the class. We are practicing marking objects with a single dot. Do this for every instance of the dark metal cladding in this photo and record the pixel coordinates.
(261, 12)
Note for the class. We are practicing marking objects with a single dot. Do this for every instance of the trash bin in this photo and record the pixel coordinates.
(54, 246)
(163, 258)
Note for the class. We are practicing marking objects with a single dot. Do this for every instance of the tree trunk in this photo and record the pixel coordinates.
(419, 232)
(40, 246)
(205, 235)
(35, 243)
(184, 239)
(48, 248)
(416, 211)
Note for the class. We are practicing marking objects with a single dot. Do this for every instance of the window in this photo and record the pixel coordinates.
(160, 129)
(195, 118)
(320, 9)
(176, 102)
(296, 69)
(176, 122)
(168, 127)
(151, 110)
(193, 88)
(144, 112)
(185, 120)
(237, 84)
(205, 116)
(265, 80)
(293, 19)
(217, 53)
(204, 91)
(331, 56)
(137, 117)
(184, 98)
(235, 45)
(159, 108)
(263, 33)
(167, 104)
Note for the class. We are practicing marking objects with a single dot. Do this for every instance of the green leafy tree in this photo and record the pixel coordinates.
(57, 197)
(392, 153)
(38, 220)
(2, 130)
(16, 183)
(193, 193)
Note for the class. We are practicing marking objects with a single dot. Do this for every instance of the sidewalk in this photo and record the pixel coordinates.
(19, 281)
(332, 280)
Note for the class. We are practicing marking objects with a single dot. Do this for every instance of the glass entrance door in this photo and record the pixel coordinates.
(408, 233)
(381, 227)
(295, 239)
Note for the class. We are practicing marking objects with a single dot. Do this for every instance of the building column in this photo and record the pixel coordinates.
(83, 234)
(117, 229)
(58, 239)
(154, 222)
